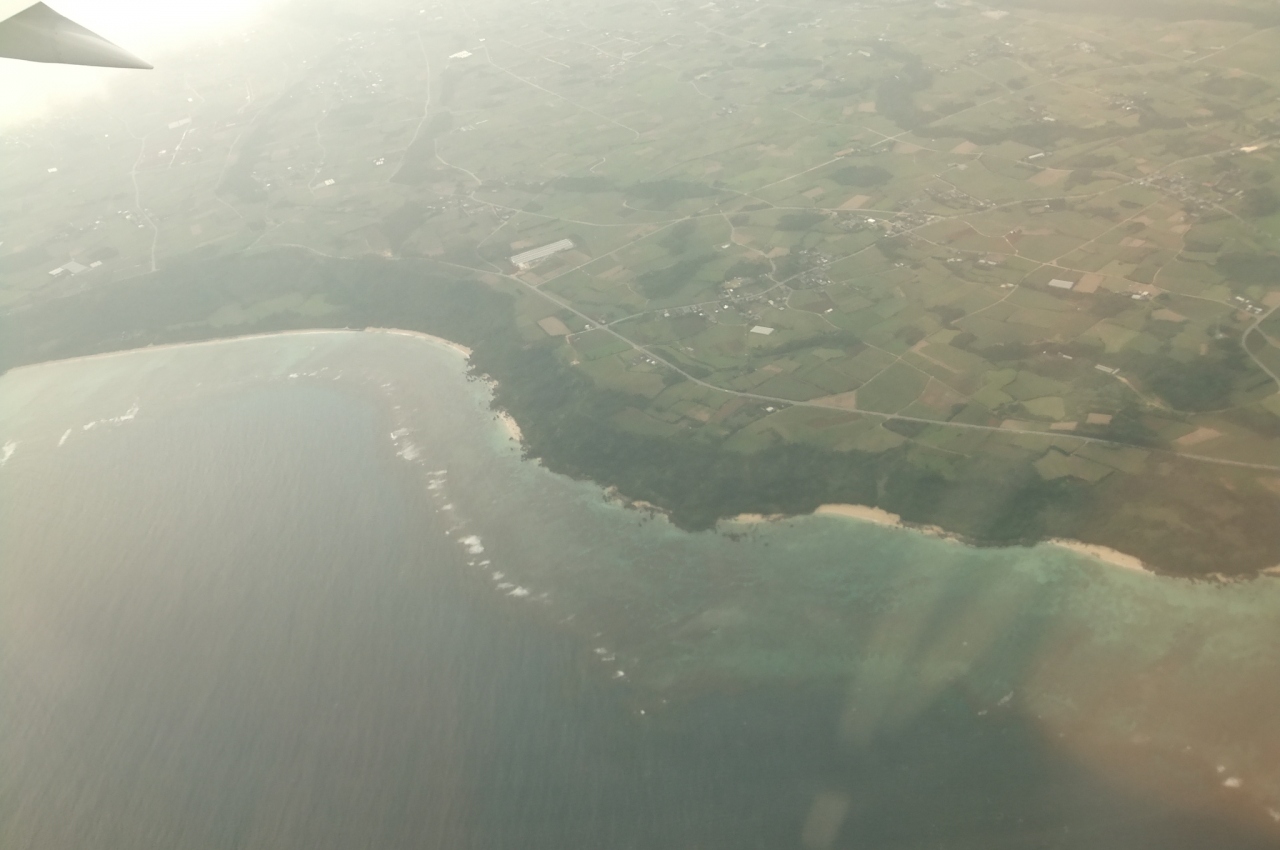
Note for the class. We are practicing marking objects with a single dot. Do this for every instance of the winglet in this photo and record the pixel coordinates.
(39, 34)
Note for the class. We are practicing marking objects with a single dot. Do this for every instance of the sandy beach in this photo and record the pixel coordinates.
(170, 345)
(752, 519)
(1102, 553)
(862, 513)
(881, 517)
(461, 349)
(512, 428)
(224, 341)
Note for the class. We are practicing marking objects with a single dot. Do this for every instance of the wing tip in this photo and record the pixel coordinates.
(39, 34)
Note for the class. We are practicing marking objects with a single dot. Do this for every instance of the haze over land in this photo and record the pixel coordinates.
(528, 337)
(1005, 269)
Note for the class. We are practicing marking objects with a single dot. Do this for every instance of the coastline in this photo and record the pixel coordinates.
(1107, 555)
(885, 519)
(860, 513)
(513, 429)
(123, 352)
(166, 346)
(448, 343)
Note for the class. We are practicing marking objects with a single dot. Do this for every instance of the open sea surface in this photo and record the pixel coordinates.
(302, 591)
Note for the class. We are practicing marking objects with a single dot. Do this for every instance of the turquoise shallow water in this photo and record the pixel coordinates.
(302, 591)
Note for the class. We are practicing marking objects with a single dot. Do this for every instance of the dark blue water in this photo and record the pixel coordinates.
(243, 622)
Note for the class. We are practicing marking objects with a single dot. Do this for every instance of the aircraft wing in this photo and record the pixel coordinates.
(36, 33)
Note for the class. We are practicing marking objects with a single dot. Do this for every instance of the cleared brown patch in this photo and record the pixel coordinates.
(1063, 426)
(1090, 282)
(856, 202)
(1017, 425)
(906, 148)
(964, 147)
(843, 401)
(1098, 419)
(1272, 299)
(1198, 436)
(1272, 484)
(815, 193)
(1049, 177)
(1168, 316)
(553, 326)
(869, 106)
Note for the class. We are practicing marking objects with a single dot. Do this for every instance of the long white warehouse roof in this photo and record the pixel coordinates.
(539, 253)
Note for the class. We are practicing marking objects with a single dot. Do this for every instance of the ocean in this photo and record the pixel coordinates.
(303, 591)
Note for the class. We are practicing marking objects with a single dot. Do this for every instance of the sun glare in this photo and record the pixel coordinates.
(151, 29)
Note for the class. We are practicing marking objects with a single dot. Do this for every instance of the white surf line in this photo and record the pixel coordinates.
(1264, 467)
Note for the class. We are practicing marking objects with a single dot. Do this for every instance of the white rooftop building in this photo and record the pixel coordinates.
(1062, 284)
(72, 268)
(528, 258)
